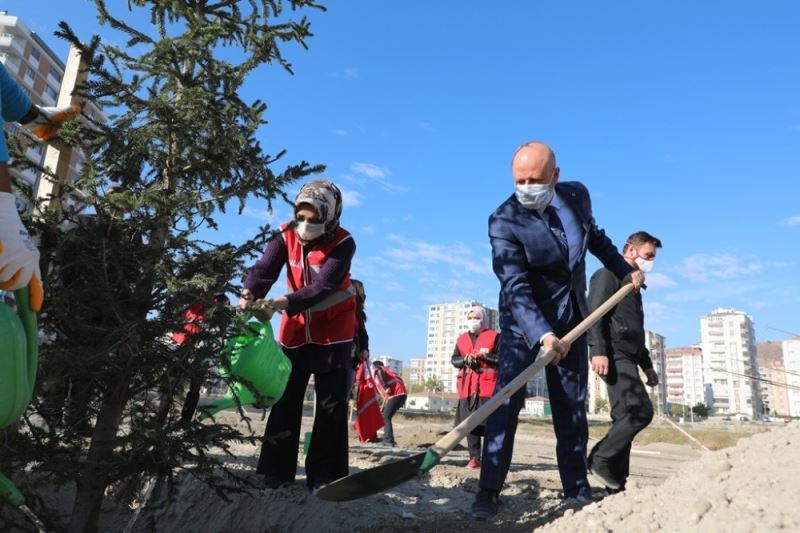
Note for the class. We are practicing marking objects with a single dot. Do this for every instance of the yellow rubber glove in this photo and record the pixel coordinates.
(48, 120)
(19, 257)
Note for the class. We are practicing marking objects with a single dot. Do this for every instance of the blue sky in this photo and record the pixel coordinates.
(682, 118)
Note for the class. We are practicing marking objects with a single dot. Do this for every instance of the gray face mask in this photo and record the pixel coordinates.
(535, 196)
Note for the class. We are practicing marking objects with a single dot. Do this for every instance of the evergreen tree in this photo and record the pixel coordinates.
(179, 146)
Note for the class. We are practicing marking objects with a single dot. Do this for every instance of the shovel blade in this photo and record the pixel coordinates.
(373, 480)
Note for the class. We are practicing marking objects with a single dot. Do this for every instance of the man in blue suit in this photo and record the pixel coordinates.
(539, 237)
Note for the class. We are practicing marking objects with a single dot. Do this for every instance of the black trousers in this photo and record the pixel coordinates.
(631, 412)
(326, 459)
(390, 407)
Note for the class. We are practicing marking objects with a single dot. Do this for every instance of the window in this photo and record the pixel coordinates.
(30, 73)
(49, 91)
(36, 54)
(55, 74)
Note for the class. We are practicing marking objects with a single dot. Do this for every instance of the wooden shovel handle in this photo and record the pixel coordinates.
(449, 441)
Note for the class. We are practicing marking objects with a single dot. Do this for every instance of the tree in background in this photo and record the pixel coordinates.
(600, 405)
(434, 384)
(700, 409)
(179, 147)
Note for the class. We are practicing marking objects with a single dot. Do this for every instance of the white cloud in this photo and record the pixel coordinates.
(370, 170)
(412, 253)
(715, 293)
(657, 280)
(701, 268)
(351, 73)
(369, 230)
(379, 175)
(339, 132)
(263, 215)
(791, 221)
(350, 198)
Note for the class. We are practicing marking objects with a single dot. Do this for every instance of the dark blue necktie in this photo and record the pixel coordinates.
(558, 230)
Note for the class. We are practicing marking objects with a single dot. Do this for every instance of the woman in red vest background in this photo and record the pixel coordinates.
(475, 357)
(394, 392)
(316, 333)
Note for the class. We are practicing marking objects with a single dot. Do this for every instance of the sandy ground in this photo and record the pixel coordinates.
(750, 487)
(438, 501)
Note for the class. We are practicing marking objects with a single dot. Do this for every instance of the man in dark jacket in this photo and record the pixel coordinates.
(617, 347)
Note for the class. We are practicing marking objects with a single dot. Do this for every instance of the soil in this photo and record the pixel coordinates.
(749, 487)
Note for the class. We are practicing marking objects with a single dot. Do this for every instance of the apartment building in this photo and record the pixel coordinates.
(683, 376)
(41, 74)
(791, 364)
(729, 362)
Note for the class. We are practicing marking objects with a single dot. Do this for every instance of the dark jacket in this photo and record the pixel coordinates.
(620, 333)
(537, 286)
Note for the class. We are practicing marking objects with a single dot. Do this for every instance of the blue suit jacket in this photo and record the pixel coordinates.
(536, 282)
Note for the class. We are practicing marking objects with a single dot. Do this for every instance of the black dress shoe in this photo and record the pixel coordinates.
(600, 470)
(486, 505)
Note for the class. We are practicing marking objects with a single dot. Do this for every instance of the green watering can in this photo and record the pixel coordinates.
(19, 354)
(256, 361)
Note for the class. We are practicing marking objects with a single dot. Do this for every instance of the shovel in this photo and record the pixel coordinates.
(389, 475)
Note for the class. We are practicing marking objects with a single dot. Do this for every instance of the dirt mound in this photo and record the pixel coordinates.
(750, 487)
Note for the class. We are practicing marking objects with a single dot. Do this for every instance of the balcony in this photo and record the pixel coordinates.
(12, 44)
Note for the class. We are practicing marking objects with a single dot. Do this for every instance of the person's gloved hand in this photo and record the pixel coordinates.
(49, 119)
(19, 257)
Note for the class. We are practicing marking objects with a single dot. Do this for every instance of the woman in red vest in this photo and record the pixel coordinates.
(316, 333)
(475, 357)
(393, 390)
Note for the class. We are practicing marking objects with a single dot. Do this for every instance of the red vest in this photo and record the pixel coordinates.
(394, 385)
(481, 380)
(331, 321)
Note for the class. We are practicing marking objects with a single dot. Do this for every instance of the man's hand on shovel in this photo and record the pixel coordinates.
(559, 346)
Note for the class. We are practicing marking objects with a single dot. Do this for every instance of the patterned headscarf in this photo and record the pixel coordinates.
(481, 312)
(326, 198)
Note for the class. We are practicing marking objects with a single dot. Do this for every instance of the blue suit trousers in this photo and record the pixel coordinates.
(566, 383)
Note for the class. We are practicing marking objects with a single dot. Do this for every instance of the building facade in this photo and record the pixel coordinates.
(683, 376)
(445, 323)
(791, 366)
(416, 371)
(38, 70)
(442, 402)
(729, 363)
(41, 74)
(393, 364)
(774, 393)
(656, 345)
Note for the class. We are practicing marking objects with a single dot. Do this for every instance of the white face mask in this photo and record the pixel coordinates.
(645, 265)
(535, 196)
(473, 324)
(308, 231)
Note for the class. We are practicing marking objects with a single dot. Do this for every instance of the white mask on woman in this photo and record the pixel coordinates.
(308, 231)
(473, 324)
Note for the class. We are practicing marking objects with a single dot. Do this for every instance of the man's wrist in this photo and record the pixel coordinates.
(541, 339)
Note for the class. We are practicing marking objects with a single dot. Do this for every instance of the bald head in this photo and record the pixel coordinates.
(534, 162)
